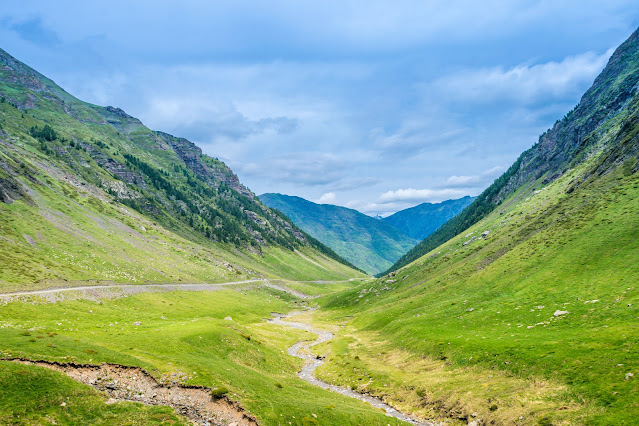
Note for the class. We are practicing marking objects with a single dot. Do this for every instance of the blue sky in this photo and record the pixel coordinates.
(372, 105)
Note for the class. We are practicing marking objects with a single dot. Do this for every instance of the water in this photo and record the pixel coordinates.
(311, 364)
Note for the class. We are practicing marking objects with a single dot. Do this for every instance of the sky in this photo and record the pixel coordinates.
(372, 105)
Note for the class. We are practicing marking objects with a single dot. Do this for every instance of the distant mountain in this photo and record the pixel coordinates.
(368, 243)
(422, 220)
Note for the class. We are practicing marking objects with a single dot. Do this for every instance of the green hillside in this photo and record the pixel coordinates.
(527, 313)
(424, 219)
(588, 128)
(370, 244)
(90, 193)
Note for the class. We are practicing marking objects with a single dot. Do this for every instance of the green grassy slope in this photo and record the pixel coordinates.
(184, 333)
(424, 219)
(572, 140)
(89, 193)
(491, 303)
(367, 243)
(542, 289)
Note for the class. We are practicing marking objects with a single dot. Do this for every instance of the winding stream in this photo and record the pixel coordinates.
(308, 370)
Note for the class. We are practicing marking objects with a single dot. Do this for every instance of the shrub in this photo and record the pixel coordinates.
(218, 393)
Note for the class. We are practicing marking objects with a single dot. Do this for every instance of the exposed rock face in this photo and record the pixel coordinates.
(10, 191)
(192, 157)
(119, 189)
(122, 172)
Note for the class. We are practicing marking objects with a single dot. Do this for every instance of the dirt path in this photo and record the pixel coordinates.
(124, 383)
(308, 370)
(116, 290)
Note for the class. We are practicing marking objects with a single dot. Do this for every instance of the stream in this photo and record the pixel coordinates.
(311, 364)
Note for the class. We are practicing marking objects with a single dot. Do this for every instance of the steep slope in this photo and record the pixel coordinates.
(539, 293)
(367, 243)
(90, 193)
(590, 128)
(424, 219)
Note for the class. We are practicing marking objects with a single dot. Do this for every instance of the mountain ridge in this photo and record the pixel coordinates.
(569, 142)
(364, 241)
(56, 148)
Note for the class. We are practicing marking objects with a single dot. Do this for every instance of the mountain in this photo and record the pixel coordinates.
(522, 309)
(591, 128)
(89, 192)
(424, 219)
(368, 243)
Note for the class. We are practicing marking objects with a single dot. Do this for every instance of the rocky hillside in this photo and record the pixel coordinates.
(602, 122)
(424, 219)
(65, 160)
(370, 244)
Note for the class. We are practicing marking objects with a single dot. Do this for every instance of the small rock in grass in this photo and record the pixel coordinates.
(629, 376)
(137, 323)
(228, 319)
(560, 313)
(64, 404)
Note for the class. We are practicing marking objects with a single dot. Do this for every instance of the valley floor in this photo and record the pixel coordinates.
(217, 339)
(222, 340)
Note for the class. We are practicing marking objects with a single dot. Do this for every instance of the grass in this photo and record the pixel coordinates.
(490, 305)
(245, 355)
(58, 241)
(36, 395)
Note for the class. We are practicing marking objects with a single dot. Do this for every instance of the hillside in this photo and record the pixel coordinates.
(90, 193)
(370, 244)
(523, 309)
(424, 219)
(593, 126)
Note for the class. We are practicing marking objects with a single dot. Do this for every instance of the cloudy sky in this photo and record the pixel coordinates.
(372, 105)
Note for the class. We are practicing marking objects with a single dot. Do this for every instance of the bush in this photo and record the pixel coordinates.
(218, 393)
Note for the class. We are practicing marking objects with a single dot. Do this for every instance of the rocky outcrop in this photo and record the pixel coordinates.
(10, 190)
(214, 175)
(119, 190)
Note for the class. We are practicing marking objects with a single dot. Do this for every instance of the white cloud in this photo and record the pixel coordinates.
(473, 180)
(374, 209)
(522, 83)
(420, 195)
(327, 198)
(302, 168)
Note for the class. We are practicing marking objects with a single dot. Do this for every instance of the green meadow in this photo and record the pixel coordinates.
(182, 332)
